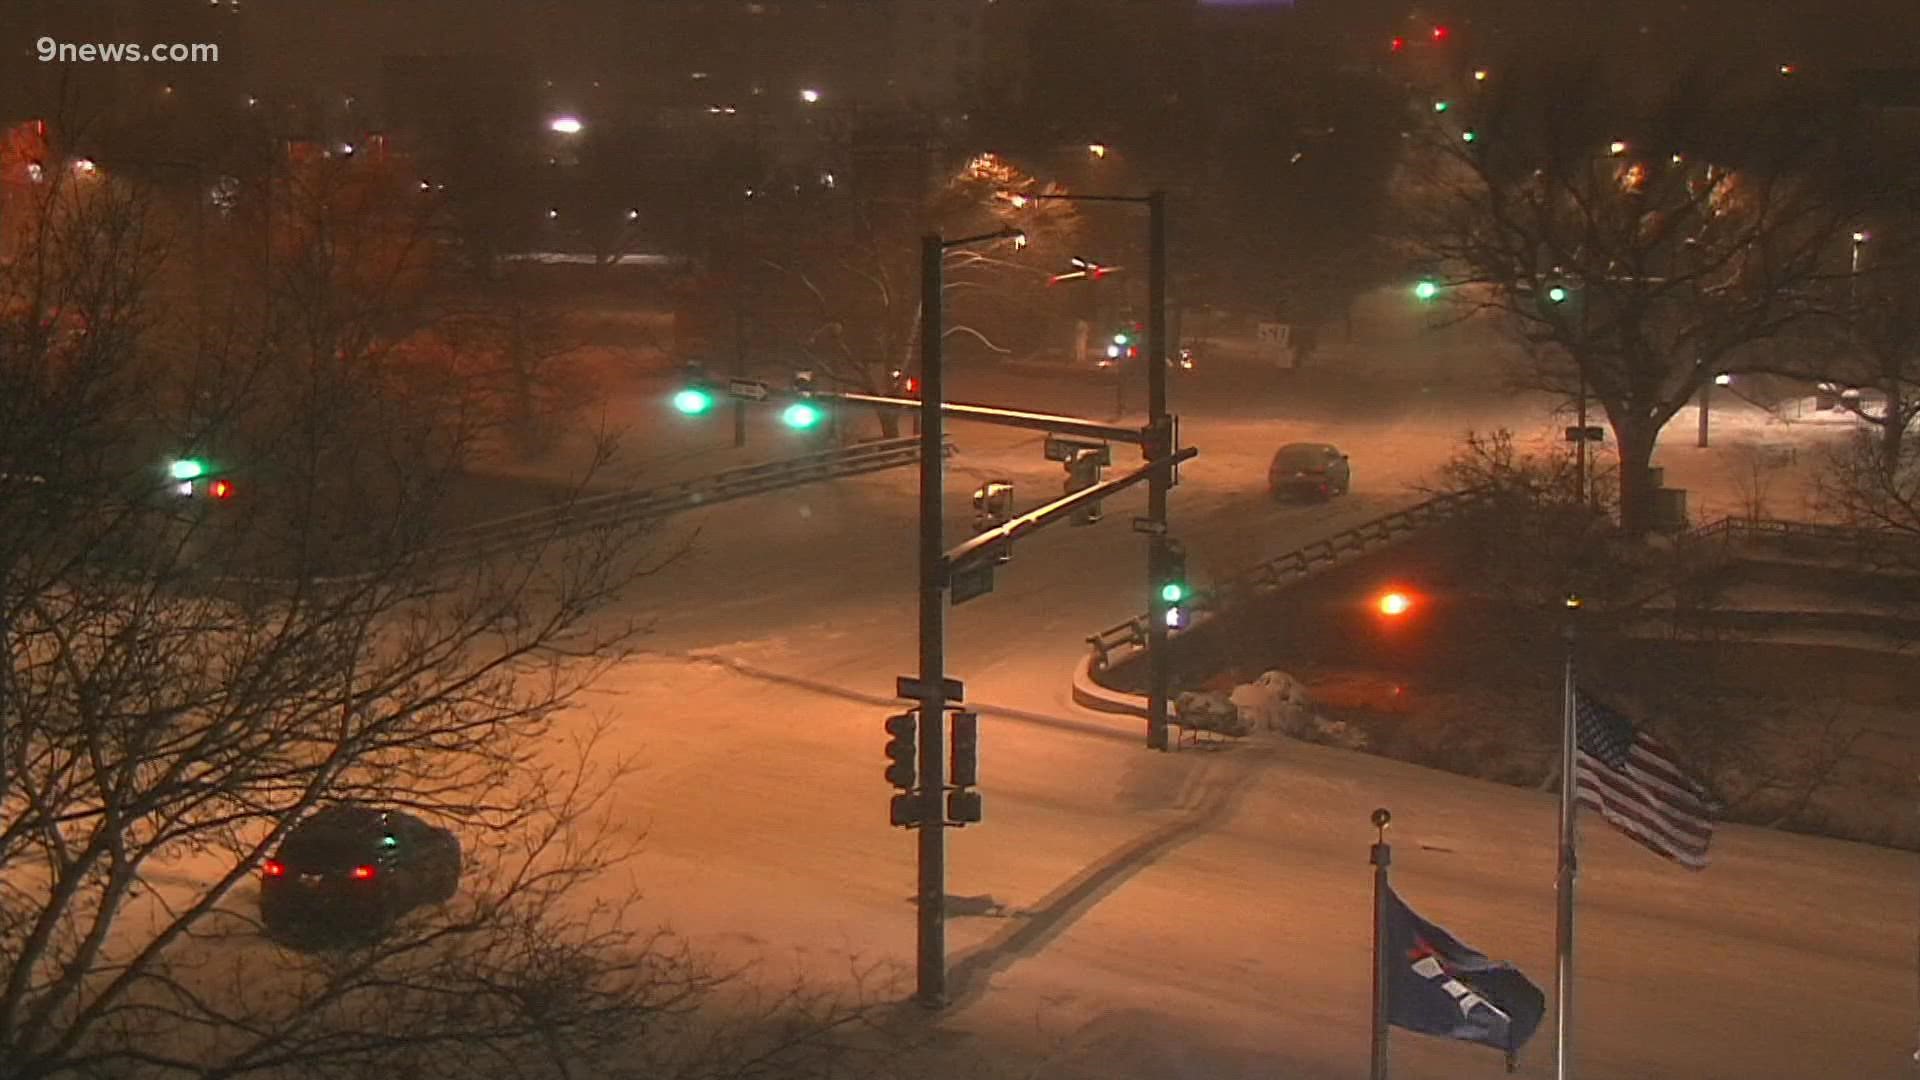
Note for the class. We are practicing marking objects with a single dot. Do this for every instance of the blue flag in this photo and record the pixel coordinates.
(1437, 986)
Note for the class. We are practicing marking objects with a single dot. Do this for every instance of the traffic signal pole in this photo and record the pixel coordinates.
(1159, 664)
(931, 966)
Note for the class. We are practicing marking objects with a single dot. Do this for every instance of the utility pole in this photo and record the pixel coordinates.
(1159, 664)
(739, 363)
(931, 968)
(1580, 445)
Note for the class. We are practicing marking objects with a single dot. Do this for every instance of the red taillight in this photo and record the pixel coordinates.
(221, 489)
(363, 873)
(274, 868)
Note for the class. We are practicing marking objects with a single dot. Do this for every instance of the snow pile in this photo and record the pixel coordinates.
(1276, 701)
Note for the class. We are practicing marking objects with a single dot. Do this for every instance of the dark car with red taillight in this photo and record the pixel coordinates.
(1309, 470)
(349, 870)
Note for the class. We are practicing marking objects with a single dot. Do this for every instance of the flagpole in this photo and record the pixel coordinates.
(1563, 929)
(1381, 857)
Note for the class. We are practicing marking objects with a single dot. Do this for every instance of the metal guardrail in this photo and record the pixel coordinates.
(1863, 543)
(620, 508)
(1295, 565)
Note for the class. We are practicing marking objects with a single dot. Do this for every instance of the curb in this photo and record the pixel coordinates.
(1089, 694)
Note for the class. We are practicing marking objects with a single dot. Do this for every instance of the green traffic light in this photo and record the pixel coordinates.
(1426, 290)
(1441, 106)
(1557, 293)
(693, 401)
(801, 415)
(1173, 592)
(186, 469)
(1468, 135)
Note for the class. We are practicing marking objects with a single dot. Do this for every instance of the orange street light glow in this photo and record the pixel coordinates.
(1395, 603)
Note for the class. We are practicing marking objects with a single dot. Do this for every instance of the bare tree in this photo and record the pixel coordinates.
(176, 695)
(1636, 250)
(1870, 335)
(851, 263)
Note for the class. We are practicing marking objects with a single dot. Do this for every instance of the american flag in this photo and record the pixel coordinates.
(1632, 779)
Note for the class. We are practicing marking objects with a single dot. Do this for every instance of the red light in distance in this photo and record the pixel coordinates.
(274, 868)
(363, 873)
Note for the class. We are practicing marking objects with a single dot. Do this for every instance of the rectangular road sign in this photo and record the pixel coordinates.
(1059, 449)
(971, 582)
(750, 389)
(909, 687)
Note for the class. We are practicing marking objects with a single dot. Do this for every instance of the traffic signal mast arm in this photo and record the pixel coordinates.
(985, 545)
(985, 414)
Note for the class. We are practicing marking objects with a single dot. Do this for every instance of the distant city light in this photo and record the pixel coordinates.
(565, 125)
(1098, 150)
(1395, 603)
(1789, 69)
(1723, 379)
(1480, 75)
(1398, 44)
(552, 213)
(85, 166)
(1616, 148)
(1861, 236)
(809, 95)
(633, 214)
(1441, 106)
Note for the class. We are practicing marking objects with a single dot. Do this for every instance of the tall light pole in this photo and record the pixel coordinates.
(1860, 238)
(1706, 401)
(1159, 664)
(930, 895)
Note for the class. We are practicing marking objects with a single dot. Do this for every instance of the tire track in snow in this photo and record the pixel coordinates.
(1213, 795)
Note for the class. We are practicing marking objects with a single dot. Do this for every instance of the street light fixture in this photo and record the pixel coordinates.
(566, 125)
(810, 95)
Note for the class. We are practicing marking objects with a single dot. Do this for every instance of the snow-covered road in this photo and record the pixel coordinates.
(1197, 914)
